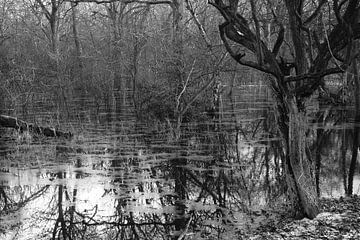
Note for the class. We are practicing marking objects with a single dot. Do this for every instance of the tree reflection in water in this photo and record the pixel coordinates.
(117, 184)
(167, 191)
(60, 192)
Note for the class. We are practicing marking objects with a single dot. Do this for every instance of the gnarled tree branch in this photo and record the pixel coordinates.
(315, 13)
(239, 57)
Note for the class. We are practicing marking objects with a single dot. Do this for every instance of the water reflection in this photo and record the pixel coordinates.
(119, 178)
(108, 183)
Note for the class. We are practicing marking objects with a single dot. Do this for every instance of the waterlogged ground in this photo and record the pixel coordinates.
(119, 178)
(113, 180)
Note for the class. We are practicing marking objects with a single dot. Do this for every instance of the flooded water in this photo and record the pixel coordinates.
(122, 178)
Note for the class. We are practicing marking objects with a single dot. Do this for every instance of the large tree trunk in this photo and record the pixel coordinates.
(292, 88)
(299, 165)
(300, 180)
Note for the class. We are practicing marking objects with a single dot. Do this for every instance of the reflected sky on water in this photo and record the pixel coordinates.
(117, 177)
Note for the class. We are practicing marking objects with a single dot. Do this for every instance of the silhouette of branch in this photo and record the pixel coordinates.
(12, 122)
(315, 13)
(314, 75)
(239, 57)
(153, 2)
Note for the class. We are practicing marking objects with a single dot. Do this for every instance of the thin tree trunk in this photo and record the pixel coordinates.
(139, 42)
(343, 160)
(180, 162)
(178, 51)
(78, 65)
(356, 130)
(114, 13)
(319, 136)
(136, 53)
(74, 29)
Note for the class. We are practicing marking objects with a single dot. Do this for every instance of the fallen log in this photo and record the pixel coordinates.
(22, 126)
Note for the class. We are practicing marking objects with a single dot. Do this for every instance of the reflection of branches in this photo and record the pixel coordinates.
(205, 219)
(34, 195)
(203, 186)
(131, 221)
(153, 224)
(90, 221)
(11, 205)
(60, 220)
(90, 218)
(183, 234)
(4, 196)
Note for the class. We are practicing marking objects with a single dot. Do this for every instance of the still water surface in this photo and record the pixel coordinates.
(113, 180)
(116, 179)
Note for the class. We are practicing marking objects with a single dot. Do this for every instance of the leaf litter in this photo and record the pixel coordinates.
(339, 219)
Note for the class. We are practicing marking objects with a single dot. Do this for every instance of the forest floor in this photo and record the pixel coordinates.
(339, 219)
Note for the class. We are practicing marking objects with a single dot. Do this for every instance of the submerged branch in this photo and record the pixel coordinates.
(12, 122)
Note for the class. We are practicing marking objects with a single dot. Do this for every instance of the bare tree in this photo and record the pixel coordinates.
(313, 59)
(51, 10)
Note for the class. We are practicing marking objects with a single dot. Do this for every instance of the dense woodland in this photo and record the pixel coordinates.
(171, 63)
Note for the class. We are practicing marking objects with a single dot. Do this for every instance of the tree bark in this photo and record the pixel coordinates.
(302, 191)
(292, 90)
